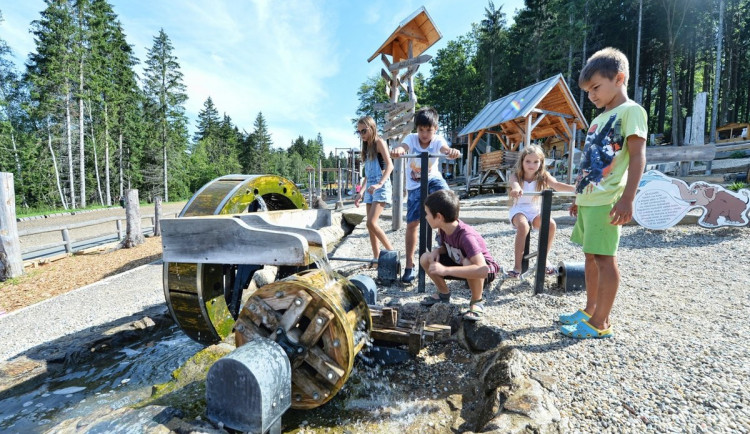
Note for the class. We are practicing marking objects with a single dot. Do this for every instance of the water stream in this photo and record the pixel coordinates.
(112, 380)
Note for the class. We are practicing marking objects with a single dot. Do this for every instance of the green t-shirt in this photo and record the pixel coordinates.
(604, 164)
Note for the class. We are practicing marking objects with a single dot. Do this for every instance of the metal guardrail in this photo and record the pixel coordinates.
(69, 245)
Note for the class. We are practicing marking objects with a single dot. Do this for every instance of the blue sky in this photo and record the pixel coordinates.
(299, 62)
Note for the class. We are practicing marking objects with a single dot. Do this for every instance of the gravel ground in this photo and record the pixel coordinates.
(85, 308)
(675, 364)
(680, 320)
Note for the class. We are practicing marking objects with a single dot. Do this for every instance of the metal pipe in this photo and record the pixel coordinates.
(541, 259)
(424, 230)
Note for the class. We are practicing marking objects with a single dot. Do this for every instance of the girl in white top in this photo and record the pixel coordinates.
(525, 212)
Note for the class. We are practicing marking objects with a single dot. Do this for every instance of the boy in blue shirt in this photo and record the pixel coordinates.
(614, 157)
(427, 140)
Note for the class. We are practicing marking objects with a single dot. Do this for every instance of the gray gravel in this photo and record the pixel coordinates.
(679, 353)
(676, 362)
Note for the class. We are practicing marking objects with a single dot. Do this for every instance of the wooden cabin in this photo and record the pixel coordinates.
(544, 110)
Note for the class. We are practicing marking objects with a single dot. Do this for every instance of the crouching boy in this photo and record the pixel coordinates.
(461, 253)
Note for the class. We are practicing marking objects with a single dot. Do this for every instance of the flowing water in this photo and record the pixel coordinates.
(111, 380)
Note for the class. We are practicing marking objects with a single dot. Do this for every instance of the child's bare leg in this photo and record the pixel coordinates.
(475, 285)
(412, 230)
(376, 232)
(609, 282)
(439, 281)
(591, 276)
(522, 230)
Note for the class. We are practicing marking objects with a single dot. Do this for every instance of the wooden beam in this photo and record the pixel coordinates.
(385, 60)
(390, 106)
(385, 75)
(549, 112)
(667, 154)
(473, 144)
(409, 62)
(409, 72)
(411, 34)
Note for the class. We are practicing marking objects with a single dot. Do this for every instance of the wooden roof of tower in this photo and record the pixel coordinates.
(417, 27)
(506, 116)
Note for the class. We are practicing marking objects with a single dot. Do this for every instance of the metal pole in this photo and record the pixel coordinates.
(541, 258)
(424, 229)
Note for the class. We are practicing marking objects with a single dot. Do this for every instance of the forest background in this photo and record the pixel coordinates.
(79, 126)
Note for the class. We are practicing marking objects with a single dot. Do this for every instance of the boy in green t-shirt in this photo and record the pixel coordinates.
(614, 157)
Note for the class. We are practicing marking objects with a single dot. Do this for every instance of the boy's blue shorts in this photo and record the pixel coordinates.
(414, 202)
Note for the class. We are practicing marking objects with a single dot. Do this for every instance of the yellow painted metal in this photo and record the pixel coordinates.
(197, 294)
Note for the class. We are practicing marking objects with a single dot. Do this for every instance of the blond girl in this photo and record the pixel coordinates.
(376, 184)
(530, 175)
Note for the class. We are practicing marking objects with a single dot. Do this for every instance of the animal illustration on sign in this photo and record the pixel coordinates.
(662, 201)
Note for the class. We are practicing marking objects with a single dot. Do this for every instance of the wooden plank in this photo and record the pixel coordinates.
(416, 338)
(409, 72)
(308, 384)
(667, 154)
(394, 122)
(388, 335)
(408, 62)
(316, 328)
(392, 105)
(261, 313)
(400, 131)
(392, 114)
(324, 365)
(291, 317)
(412, 34)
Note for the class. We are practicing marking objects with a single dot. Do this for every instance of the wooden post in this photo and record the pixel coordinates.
(694, 129)
(157, 216)
(11, 264)
(320, 179)
(133, 233)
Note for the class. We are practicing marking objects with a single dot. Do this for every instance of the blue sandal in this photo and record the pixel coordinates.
(584, 330)
(575, 317)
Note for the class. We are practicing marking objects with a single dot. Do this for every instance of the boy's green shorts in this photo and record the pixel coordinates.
(594, 231)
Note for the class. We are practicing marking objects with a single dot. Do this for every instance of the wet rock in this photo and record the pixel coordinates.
(151, 419)
(440, 313)
(144, 323)
(24, 372)
(480, 337)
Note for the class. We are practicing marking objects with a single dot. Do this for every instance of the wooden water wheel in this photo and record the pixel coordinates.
(204, 298)
(320, 321)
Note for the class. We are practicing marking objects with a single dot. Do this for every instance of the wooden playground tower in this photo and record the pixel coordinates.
(413, 36)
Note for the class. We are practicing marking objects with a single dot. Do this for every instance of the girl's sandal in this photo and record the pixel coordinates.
(476, 310)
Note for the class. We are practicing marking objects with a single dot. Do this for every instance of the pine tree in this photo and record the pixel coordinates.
(49, 73)
(208, 121)
(165, 93)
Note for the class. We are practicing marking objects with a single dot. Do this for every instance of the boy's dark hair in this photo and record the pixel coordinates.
(607, 62)
(426, 117)
(444, 202)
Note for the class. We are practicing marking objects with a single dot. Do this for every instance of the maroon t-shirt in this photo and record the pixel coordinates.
(465, 242)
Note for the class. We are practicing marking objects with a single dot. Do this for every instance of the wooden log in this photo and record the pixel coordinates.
(11, 264)
(157, 216)
(667, 154)
(400, 131)
(133, 232)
